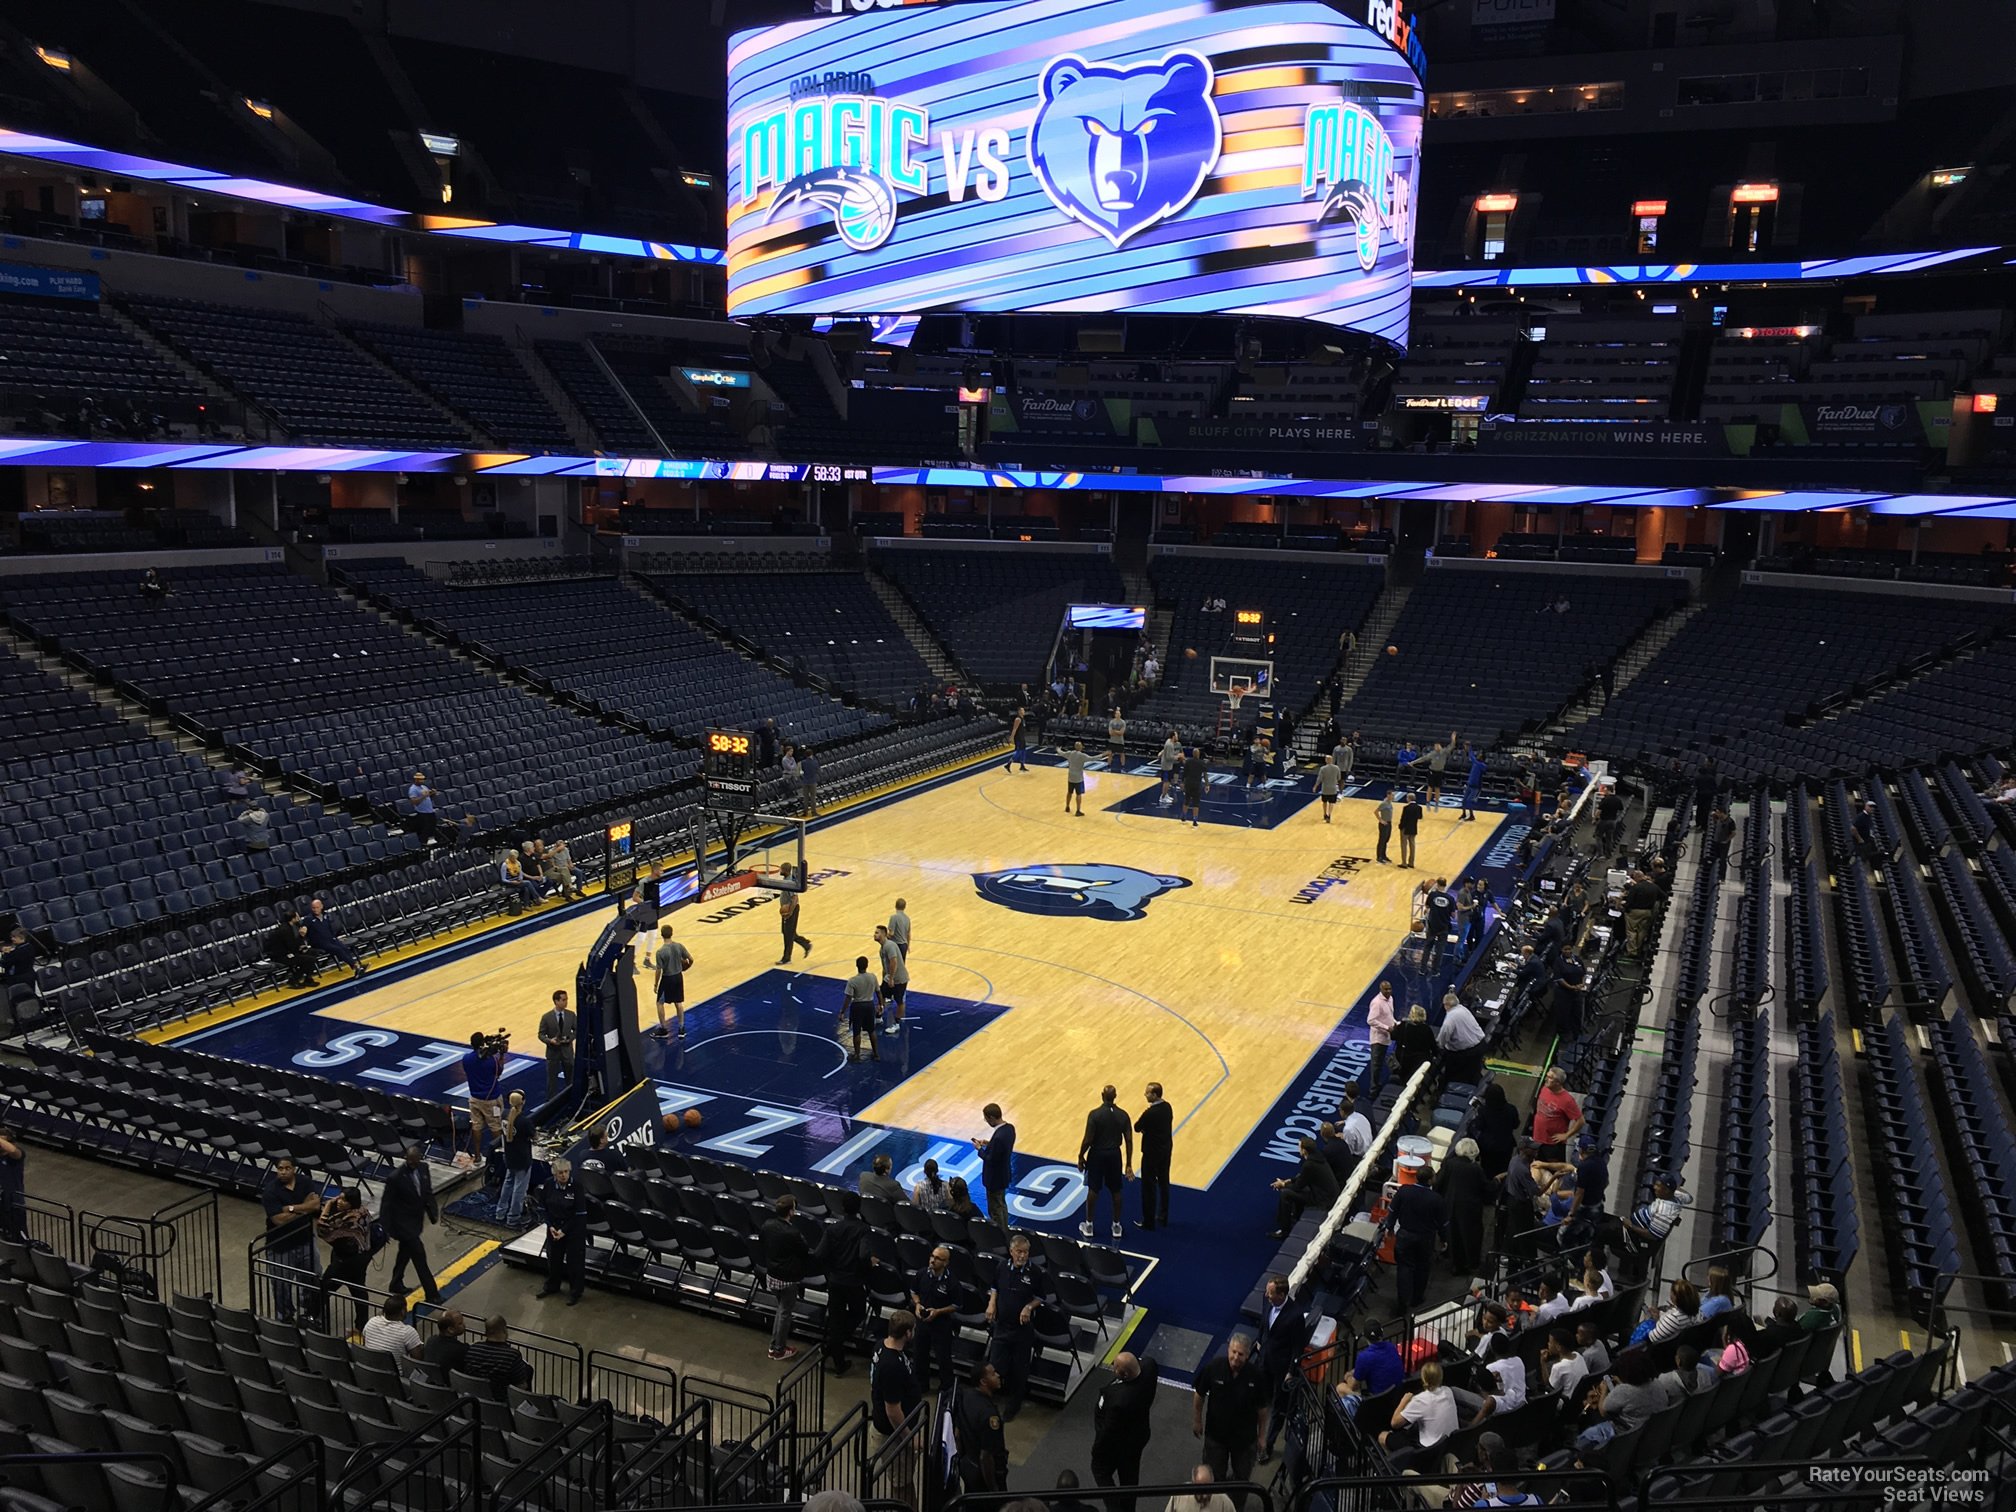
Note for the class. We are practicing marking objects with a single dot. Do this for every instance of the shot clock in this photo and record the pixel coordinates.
(728, 766)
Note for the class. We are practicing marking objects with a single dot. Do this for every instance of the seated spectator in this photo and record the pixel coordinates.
(959, 1202)
(1423, 1419)
(17, 966)
(496, 1358)
(1594, 1284)
(877, 1182)
(321, 933)
(1553, 1301)
(1353, 1127)
(932, 1193)
(523, 891)
(1350, 1395)
(1494, 1334)
(1650, 1222)
(1314, 1184)
(391, 1332)
(532, 862)
(447, 1348)
(1687, 1378)
(560, 870)
(1681, 1314)
(1733, 1355)
(1589, 1343)
(1825, 1311)
(1339, 1154)
(238, 783)
(1378, 1366)
(1491, 1453)
(1782, 1327)
(287, 947)
(153, 585)
(1721, 1293)
(1501, 1389)
(1561, 1364)
(602, 1155)
(255, 826)
(1621, 1402)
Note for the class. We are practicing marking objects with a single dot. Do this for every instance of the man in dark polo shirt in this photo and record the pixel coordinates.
(1019, 1289)
(935, 1296)
(1229, 1412)
(977, 1431)
(1106, 1156)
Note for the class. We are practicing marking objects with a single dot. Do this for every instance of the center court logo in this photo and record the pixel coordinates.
(1076, 891)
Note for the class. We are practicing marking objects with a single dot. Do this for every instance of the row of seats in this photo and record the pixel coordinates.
(998, 611)
(1669, 1129)
(1828, 1232)
(828, 624)
(686, 1229)
(1490, 654)
(1806, 973)
(215, 1136)
(68, 532)
(302, 677)
(1981, 947)
(215, 1392)
(1800, 648)
(1922, 957)
(619, 650)
(1923, 1247)
(312, 381)
(1979, 1142)
(1971, 819)
(1693, 975)
(478, 377)
(1743, 1156)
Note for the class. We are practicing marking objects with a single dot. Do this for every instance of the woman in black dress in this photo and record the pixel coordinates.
(1468, 1192)
(1496, 1129)
(1413, 1043)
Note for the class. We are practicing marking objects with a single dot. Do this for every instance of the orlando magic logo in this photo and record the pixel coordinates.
(1122, 149)
(862, 205)
(1087, 892)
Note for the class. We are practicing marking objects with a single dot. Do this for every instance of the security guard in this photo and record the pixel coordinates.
(1019, 1289)
(977, 1430)
(935, 1296)
(566, 1233)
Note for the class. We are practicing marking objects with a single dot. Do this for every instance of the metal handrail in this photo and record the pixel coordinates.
(452, 1422)
(1749, 1278)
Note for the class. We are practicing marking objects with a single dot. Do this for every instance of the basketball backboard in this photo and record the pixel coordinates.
(1249, 675)
(737, 851)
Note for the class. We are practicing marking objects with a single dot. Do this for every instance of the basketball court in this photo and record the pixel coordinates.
(1051, 953)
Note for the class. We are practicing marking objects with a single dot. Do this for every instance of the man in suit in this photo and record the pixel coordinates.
(566, 1234)
(1284, 1331)
(407, 1208)
(1122, 1425)
(1156, 1126)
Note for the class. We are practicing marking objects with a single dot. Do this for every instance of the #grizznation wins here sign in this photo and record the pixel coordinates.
(1125, 155)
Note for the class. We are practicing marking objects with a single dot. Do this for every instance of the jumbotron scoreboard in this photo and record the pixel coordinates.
(1219, 157)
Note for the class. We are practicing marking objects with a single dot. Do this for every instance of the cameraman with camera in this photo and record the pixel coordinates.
(483, 1067)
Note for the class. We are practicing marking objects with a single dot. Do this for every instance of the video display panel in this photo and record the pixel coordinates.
(1216, 157)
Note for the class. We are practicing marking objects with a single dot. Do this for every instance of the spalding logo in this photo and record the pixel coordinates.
(1087, 891)
(1122, 149)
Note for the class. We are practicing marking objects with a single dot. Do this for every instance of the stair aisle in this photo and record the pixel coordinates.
(928, 646)
(1636, 658)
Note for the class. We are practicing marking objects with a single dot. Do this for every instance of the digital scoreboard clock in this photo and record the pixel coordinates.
(1249, 627)
(728, 764)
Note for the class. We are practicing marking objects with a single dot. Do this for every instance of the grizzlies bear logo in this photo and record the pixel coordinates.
(1088, 891)
(1123, 149)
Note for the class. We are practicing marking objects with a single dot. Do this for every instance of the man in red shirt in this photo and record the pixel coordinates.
(1557, 1116)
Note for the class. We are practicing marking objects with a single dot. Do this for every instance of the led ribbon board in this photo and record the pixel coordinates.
(1212, 158)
